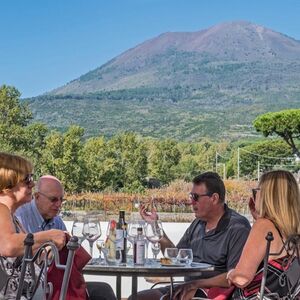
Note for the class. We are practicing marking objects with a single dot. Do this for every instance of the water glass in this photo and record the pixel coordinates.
(113, 260)
(185, 256)
(172, 254)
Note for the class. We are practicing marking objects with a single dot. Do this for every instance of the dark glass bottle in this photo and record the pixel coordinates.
(121, 235)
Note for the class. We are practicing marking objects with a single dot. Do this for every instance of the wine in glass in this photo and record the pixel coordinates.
(91, 231)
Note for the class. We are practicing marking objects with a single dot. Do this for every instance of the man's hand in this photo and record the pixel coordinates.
(185, 291)
(253, 211)
(58, 237)
(148, 216)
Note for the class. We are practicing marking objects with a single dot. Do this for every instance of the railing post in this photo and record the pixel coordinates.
(269, 239)
(28, 243)
(71, 246)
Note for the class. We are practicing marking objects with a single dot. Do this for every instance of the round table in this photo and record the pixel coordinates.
(152, 268)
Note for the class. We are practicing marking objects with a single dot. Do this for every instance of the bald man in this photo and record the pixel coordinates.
(42, 212)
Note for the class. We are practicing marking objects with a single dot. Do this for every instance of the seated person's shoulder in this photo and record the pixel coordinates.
(22, 209)
(238, 220)
(3, 208)
(263, 224)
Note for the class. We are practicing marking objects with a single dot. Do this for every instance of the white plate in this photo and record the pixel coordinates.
(173, 265)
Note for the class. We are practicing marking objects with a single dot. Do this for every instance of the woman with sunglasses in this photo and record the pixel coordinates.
(16, 183)
(276, 206)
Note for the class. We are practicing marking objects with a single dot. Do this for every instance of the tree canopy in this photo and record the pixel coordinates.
(285, 124)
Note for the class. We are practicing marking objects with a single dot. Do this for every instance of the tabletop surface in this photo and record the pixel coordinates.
(153, 268)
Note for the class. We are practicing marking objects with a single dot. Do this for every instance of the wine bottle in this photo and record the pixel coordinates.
(121, 237)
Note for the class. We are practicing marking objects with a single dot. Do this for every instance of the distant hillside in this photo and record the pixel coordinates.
(184, 85)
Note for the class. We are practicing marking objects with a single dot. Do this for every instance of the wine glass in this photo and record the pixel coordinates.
(155, 247)
(91, 231)
(100, 245)
(77, 229)
(132, 230)
(154, 232)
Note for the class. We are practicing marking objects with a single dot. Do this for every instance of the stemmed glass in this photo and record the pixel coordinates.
(100, 245)
(91, 231)
(154, 233)
(132, 230)
(77, 229)
(132, 233)
(155, 247)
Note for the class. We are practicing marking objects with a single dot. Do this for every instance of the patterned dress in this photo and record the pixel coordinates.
(10, 270)
(275, 282)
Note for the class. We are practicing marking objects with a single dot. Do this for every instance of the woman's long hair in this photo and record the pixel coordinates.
(13, 169)
(280, 201)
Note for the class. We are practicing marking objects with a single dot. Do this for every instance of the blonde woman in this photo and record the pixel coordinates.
(16, 183)
(277, 209)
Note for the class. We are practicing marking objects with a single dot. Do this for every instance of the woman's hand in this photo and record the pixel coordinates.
(148, 216)
(185, 291)
(253, 211)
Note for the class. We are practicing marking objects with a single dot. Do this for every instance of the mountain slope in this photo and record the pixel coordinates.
(188, 57)
(184, 85)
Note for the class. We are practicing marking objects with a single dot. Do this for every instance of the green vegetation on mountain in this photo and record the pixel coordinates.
(126, 161)
(185, 86)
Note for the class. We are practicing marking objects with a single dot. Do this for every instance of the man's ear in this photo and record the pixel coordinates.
(216, 198)
(36, 195)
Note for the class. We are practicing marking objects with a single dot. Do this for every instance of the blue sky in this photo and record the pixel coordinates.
(46, 43)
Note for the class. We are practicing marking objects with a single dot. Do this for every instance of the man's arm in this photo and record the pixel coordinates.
(188, 289)
(165, 242)
(150, 217)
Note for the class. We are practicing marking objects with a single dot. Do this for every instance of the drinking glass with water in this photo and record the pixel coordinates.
(185, 256)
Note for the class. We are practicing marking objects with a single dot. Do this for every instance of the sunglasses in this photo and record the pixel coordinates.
(28, 180)
(196, 197)
(53, 199)
(254, 192)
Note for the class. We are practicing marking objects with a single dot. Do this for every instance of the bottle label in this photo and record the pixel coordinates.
(120, 239)
(140, 252)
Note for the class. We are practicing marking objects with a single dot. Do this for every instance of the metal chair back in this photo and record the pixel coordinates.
(290, 277)
(32, 273)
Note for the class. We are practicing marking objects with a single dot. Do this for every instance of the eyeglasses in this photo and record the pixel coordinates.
(254, 192)
(28, 180)
(52, 199)
(196, 197)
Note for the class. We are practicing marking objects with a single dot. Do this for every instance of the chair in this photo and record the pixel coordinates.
(290, 277)
(29, 276)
